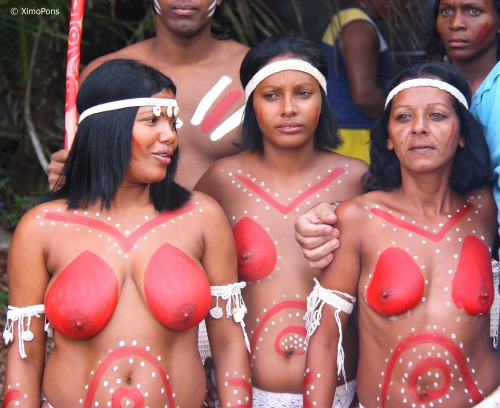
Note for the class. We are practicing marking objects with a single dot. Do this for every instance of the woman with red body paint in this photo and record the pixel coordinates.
(284, 171)
(415, 250)
(123, 263)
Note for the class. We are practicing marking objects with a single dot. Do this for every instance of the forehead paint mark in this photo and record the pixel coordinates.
(127, 352)
(12, 395)
(126, 243)
(285, 209)
(438, 339)
(137, 144)
(291, 304)
(484, 32)
(428, 234)
(220, 110)
(452, 135)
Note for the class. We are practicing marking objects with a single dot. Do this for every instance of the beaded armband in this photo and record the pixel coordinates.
(315, 302)
(23, 316)
(495, 308)
(235, 306)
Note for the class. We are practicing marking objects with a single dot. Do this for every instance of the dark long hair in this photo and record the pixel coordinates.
(471, 166)
(102, 147)
(326, 135)
(435, 44)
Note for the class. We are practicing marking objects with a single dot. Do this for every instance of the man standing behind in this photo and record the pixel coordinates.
(205, 70)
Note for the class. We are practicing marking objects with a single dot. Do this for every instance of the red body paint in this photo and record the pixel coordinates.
(290, 304)
(220, 110)
(176, 288)
(245, 385)
(12, 395)
(449, 346)
(256, 251)
(300, 330)
(413, 228)
(83, 297)
(337, 172)
(122, 353)
(137, 144)
(126, 394)
(397, 284)
(309, 379)
(420, 370)
(472, 288)
(126, 243)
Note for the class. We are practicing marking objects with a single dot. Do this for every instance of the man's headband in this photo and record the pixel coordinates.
(171, 104)
(435, 83)
(284, 65)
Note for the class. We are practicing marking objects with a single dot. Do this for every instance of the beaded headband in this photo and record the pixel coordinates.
(435, 83)
(171, 104)
(284, 65)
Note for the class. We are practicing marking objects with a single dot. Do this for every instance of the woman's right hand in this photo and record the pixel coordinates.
(56, 166)
(316, 235)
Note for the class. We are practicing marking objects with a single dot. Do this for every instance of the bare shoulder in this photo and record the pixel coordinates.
(219, 169)
(352, 211)
(138, 51)
(233, 48)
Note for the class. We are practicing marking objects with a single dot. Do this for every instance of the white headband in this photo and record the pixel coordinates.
(171, 104)
(284, 65)
(435, 83)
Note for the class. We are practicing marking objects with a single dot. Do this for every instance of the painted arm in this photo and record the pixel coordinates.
(329, 308)
(28, 278)
(226, 334)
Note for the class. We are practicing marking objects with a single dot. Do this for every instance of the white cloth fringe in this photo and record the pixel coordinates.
(23, 316)
(495, 308)
(235, 306)
(315, 302)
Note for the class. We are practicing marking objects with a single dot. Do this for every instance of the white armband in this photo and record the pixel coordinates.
(19, 314)
(495, 308)
(315, 302)
(235, 305)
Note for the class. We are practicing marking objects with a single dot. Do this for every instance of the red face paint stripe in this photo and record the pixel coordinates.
(12, 395)
(220, 110)
(434, 237)
(443, 341)
(337, 172)
(137, 144)
(300, 330)
(291, 304)
(245, 385)
(452, 135)
(122, 353)
(484, 32)
(126, 243)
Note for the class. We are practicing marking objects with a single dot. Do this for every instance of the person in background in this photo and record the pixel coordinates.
(205, 70)
(106, 263)
(416, 255)
(287, 127)
(359, 67)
